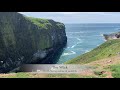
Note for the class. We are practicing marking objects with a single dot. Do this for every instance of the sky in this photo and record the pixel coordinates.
(78, 17)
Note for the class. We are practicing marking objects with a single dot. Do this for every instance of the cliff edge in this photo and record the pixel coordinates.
(25, 40)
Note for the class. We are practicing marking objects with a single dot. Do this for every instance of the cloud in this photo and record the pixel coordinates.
(78, 17)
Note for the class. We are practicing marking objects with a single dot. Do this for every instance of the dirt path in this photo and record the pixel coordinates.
(7, 75)
(99, 65)
(105, 63)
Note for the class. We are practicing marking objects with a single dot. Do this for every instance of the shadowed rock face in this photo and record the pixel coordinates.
(26, 40)
(112, 36)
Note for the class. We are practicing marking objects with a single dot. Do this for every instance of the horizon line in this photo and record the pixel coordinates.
(96, 23)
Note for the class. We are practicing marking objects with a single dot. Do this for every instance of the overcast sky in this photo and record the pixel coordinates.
(78, 17)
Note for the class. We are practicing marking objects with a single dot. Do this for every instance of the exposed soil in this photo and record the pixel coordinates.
(99, 65)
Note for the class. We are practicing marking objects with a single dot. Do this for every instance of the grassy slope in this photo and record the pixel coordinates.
(107, 66)
(105, 60)
(107, 49)
(104, 68)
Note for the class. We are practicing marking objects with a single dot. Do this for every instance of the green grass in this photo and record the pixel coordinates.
(107, 49)
(42, 23)
(63, 76)
(20, 75)
(74, 76)
(68, 76)
(97, 73)
(57, 76)
(46, 24)
(60, 25)
(115, 69)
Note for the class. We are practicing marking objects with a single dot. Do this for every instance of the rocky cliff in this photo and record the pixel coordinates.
(28, 40)
(112, 36)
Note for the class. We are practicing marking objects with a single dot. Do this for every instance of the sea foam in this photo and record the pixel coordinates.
(70, 53)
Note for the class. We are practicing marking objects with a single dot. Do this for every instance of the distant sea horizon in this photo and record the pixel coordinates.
(92, 23)
(83, 37)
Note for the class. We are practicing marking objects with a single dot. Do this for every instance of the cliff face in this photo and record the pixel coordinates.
(112, 36)
(28, 40)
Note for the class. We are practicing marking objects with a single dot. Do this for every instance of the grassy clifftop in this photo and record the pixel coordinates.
(45, 23)
(28, 40)
(108, 49)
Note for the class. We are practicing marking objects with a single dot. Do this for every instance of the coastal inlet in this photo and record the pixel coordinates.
(84, 37)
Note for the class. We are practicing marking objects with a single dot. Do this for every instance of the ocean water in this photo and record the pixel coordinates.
(84, 37)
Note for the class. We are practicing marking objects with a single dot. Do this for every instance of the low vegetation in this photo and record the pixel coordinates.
(107, 49)
(103, 60)
(115, 69)
(42, 23)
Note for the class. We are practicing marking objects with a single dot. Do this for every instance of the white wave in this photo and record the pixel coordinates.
(72, 37)
(77, 43)
(78, 39)
(101, 35)
(98, 45)
(105, 40)
(68, 47)
(86, 51)
(73, 46)
(79, 49)
(75, 32)
(97, 35)
(71, 53)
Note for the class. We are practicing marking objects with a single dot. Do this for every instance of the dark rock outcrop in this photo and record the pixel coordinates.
(112, 36)
(25, 40)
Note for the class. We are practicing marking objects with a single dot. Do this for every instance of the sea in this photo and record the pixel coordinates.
(82, 38)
